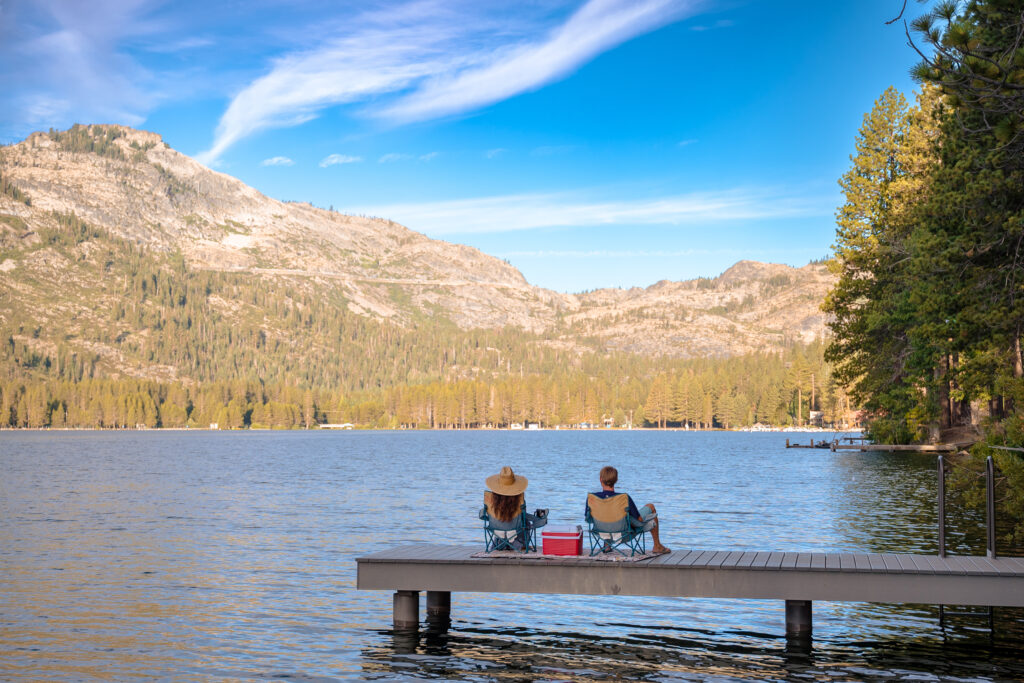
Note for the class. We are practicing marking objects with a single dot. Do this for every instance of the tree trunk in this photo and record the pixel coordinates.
(995, 407)
(942, 375)
(1018, 362)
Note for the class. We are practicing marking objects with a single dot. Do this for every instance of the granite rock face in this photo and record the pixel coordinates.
(140, 189)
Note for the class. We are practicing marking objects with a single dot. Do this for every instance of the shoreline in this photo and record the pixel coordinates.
(774, 430)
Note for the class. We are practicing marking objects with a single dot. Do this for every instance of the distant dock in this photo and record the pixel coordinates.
(862, 447)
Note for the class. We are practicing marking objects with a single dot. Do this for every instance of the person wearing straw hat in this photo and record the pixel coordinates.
(504, 502)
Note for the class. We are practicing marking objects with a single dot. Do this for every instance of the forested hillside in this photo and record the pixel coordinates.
(139, 288)
(169, 345)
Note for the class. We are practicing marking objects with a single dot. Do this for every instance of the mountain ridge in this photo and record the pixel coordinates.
(130, 184)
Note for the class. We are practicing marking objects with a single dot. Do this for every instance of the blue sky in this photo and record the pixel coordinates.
(592, 144)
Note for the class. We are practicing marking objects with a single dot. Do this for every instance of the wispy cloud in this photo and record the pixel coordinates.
(394, 156)
(645, 253)
(430, 59)
(721, 23)
(62, 61)
(336, 159)
(685, 143)
(277, 161)
(596, 27)
(527, 211)
(429, 156)
(494, 153)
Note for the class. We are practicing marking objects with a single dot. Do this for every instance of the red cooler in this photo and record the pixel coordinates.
(562, 539)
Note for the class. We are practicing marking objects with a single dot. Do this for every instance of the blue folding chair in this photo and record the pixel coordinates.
(518, 534)
(610, 527)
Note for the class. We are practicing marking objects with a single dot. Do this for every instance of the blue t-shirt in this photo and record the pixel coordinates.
(633, 512)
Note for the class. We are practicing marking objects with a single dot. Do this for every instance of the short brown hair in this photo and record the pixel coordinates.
(609, 475)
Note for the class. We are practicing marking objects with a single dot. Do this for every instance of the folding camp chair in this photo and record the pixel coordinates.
(518, 534)
(611, 528)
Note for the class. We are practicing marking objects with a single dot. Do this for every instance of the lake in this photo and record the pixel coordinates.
(217, 555)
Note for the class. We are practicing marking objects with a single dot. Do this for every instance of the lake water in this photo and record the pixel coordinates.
(185, 556)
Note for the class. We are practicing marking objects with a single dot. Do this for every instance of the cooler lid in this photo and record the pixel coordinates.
(561, 530)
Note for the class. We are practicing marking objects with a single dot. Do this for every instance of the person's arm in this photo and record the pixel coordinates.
(633, 512)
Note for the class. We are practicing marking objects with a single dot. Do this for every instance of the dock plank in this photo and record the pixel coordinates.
(718, 558)
(747, 560)
(697, 558)
(892, 564)
(862, 562)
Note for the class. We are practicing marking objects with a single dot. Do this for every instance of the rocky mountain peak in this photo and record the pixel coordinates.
(133, 185)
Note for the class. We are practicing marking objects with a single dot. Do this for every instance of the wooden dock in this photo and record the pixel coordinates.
(898, 448)
(797, 578)
(862, 447)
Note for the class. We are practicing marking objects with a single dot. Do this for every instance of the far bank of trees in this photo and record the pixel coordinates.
(789, 388)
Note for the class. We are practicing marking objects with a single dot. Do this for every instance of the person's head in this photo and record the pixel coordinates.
(609, 476)
(507, 489)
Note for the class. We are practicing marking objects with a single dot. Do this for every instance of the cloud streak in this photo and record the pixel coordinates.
(63, 62)
(596, 27)
(277, 161)
(426, 60)
(507, 213)
(338, 159)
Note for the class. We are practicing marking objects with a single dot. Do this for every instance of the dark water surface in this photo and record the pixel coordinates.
(185, 556)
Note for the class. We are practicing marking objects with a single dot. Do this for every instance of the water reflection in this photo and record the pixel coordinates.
(178, 555)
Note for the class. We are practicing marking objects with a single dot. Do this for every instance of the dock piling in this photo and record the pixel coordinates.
(439, 611)
(406, 610)
(798, 620)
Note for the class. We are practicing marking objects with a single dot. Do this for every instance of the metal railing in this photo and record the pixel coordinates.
(990, 507)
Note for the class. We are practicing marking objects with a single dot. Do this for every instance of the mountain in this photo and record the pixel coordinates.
(123, 255)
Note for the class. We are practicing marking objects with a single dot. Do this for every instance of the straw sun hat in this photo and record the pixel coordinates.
(506, 483)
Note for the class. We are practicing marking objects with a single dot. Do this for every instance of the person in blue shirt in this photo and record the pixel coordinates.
(647, 515)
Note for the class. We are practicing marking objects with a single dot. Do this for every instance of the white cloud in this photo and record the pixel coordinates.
(528, 211)
(429, 156)
(685, 143)
(430, 59)
(394, 156)
(495, 153)
(594, 28)
(721, 23)
(636, 253)
(62, 63)
(277, 161)
(335, 159)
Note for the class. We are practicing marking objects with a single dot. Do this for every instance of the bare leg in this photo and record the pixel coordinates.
(658, 547)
